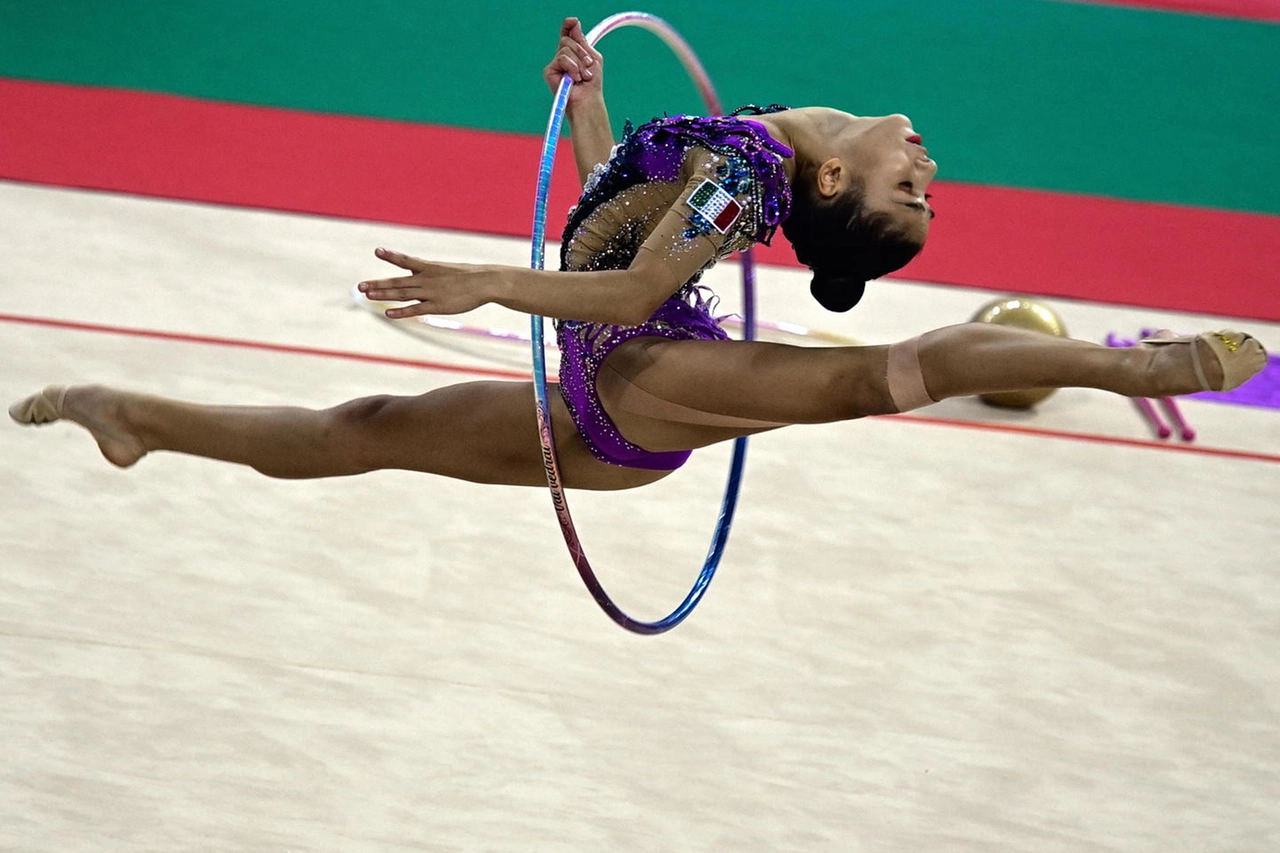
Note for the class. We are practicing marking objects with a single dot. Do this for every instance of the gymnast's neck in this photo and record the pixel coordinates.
(811, 132)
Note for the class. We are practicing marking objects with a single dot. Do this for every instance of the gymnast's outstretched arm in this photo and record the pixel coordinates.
(618, 297)
(671, 255)
(585, 111)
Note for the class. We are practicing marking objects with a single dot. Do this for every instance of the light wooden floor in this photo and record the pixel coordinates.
(923, 636)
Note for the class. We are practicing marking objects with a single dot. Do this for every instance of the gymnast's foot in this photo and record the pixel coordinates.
(99, 410)
(1212, 361)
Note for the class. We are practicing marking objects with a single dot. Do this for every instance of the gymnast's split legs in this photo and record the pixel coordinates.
(662, 395)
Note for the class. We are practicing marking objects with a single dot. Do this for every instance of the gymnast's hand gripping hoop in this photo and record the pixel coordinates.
(721, 535)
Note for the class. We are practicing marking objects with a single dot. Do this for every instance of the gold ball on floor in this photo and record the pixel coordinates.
(1022, 313)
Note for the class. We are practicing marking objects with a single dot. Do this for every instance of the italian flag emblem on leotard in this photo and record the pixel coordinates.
(717, 206)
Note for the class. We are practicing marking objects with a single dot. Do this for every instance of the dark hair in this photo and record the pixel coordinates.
(845, 244)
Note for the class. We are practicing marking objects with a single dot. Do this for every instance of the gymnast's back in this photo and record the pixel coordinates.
(691, 189)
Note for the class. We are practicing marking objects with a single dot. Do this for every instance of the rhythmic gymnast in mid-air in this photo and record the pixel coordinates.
(647, 375)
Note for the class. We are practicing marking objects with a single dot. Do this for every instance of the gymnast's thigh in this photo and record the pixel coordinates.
(752, 385)
(485, 432)
(578, 467)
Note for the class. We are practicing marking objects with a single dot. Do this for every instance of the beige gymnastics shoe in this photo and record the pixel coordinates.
(42, 408)
(1239, 355)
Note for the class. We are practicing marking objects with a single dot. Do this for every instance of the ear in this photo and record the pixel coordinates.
(831, 178)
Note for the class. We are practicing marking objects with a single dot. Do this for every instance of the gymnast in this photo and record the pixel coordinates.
(647, 375)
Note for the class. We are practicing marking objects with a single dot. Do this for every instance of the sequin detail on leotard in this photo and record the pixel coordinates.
(636, 187)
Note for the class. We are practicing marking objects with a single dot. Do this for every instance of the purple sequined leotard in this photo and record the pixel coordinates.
(621, 205)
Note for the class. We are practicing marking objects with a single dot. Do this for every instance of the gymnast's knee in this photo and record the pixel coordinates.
(904, 377)
(349, 433)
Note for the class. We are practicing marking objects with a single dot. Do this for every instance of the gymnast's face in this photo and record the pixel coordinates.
(887, 157)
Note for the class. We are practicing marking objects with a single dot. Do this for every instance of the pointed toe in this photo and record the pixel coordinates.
(42, 408)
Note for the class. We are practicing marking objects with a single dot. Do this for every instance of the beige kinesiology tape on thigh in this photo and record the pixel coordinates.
(904, 377)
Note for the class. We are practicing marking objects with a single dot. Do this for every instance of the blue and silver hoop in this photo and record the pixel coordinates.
(721, 535)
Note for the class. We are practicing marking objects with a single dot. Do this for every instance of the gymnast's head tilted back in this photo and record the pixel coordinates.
(859, 206)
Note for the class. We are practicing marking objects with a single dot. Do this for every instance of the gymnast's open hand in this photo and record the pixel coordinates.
(436, 288)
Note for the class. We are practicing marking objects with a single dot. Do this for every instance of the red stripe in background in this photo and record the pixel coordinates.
(1104, 250)
(1249, 10)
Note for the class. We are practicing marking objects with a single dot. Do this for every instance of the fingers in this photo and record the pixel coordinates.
(583, 52)
(577, 40)
(389, 290)
(405, 262)
(421, 286)
(407, 311)
(575, 34)
(571, 30)
(567, 63)
(393, 289)
(398, 290)
(571, 59)
(433, 288)
(574, 56)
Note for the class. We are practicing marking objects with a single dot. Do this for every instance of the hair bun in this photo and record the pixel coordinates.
(836, 293)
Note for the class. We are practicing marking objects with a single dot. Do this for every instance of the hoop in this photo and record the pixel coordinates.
(721, 535)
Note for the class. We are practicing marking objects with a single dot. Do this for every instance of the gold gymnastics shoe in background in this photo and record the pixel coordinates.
(42, 408)
(1239, 355)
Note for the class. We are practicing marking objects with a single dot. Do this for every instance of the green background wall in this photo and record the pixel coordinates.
(1101, 100)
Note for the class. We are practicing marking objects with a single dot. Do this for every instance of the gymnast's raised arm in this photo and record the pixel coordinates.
(585, 111)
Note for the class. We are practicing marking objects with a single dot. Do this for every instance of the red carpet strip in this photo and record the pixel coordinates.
(1008, 240)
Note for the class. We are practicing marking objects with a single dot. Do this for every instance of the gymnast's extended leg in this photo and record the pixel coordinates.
(485, 432)
(677, 394)
(979, 358)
